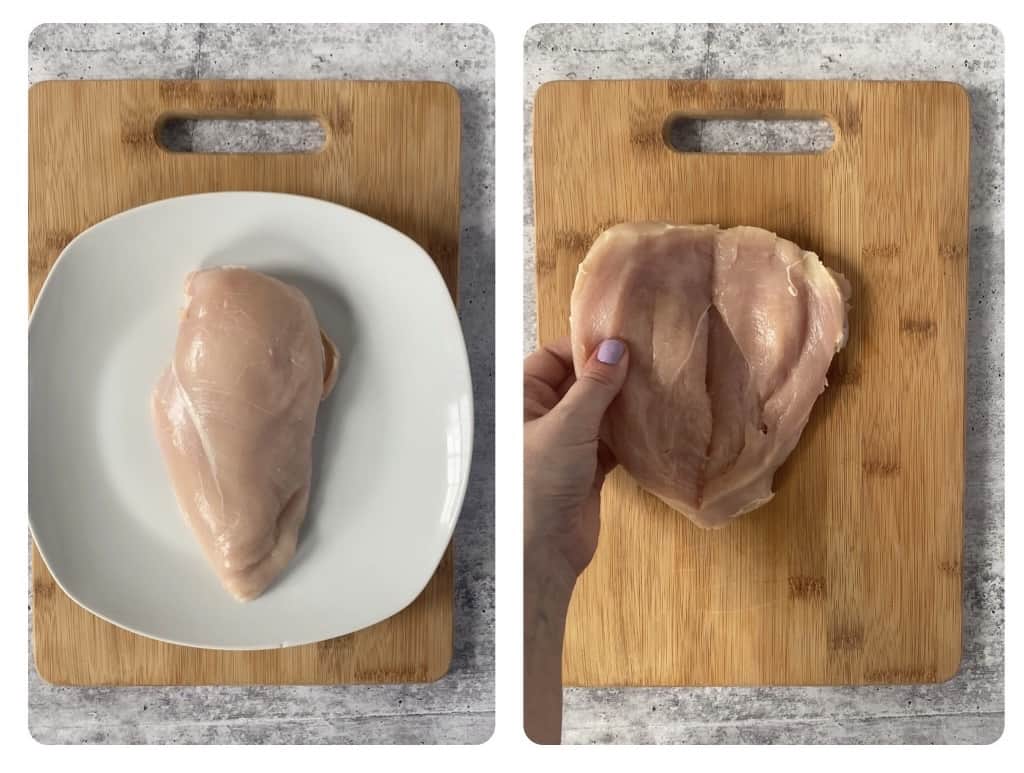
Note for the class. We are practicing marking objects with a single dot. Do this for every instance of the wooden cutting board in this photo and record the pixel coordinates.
(851, 575)
(391, 151)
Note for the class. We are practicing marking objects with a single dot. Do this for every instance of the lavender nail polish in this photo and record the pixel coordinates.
(610, 351)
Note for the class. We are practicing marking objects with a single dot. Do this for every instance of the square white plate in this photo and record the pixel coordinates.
(392, 447)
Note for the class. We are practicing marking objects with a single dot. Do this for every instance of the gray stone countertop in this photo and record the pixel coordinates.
(969, 708)
(460, 707)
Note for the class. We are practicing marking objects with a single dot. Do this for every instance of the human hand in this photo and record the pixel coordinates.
(565, 462)
(564, 466)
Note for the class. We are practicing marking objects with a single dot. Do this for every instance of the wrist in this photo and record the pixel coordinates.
(548, 578)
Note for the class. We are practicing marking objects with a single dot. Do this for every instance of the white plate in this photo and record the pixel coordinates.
(393, 441)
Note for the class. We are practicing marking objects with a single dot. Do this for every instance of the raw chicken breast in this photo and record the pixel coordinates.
(234, 415)
(731, 333)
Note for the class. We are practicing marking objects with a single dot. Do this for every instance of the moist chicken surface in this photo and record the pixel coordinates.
(234, 415)
(731, 333)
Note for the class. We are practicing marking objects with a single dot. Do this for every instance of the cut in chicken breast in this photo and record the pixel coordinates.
(730, 333)
(234, 415)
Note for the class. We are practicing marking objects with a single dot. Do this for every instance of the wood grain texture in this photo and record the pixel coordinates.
(392, 152)
(851, 575)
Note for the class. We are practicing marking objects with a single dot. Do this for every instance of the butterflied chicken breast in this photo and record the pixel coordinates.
(731, 333)
(234, 414)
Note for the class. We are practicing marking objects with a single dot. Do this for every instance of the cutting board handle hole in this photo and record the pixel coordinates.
(241, 135)
(693, 134)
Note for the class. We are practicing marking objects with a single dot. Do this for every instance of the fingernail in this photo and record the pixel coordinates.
(610, 351)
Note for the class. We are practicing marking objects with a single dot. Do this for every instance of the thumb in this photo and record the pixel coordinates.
(585, 403)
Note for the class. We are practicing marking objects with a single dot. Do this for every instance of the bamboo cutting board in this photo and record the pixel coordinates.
(851, 575)
(392, 152)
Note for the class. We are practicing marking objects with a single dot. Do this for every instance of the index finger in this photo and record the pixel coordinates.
(551, 364)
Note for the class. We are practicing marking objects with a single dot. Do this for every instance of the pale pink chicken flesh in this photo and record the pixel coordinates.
(730, 333)
(234, 414)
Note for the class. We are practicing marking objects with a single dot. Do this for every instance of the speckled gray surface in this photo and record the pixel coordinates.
(969, 708)
(460, 707)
